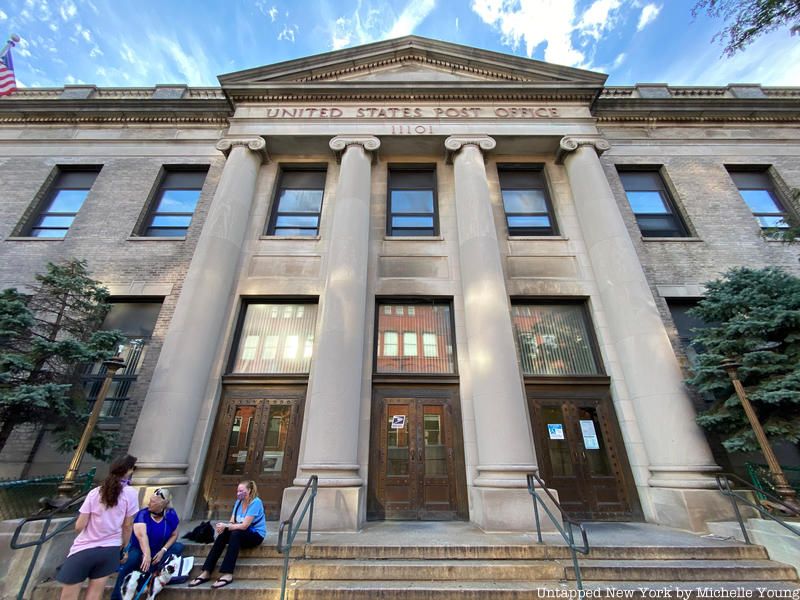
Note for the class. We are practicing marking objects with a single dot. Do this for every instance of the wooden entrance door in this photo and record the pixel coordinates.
(256, 437)
(581, 455)
(416, 464)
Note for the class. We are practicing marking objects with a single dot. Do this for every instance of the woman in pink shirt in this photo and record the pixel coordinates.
(104, 527)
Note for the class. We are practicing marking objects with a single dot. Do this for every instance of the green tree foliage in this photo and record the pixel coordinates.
(750, 19)
(756, 317)
(45, 339)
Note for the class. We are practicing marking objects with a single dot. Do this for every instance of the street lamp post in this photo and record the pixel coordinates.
(782, 487)
(67, 487)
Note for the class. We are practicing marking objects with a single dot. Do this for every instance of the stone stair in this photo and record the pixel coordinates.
(436, 571)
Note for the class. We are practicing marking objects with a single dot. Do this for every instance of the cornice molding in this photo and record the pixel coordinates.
(340, 143)
(69, 119)
(455, 143)
(257, 145)
(570, 143)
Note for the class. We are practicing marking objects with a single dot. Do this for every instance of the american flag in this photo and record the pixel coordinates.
(7, 82)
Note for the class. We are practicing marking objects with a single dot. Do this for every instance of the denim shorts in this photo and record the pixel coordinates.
(93, 563)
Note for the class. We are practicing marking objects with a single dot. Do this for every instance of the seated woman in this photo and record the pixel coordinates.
(155, 531)
(246, 529)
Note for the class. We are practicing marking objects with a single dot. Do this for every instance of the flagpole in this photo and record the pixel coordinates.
(13, 41)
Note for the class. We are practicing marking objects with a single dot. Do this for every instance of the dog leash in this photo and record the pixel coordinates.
(144, 586)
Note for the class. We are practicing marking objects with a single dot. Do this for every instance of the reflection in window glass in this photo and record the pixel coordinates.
(298, 203)
(66, 196)
(268, 344)
(525, 201)
(412, 202)
(175, 203)
(759, 194)
(431, 323)
(652, 205)
(552, 339)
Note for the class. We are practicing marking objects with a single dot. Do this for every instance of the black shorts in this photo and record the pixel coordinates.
(93, 563)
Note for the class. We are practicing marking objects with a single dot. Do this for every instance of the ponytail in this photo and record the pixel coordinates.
(112, 485)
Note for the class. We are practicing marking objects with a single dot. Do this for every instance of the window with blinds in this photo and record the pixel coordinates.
(414, 339)
(554, 339)
(276, 339)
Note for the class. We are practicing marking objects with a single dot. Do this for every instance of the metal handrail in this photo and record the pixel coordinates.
(724, 486)
(566, 532)
(286, 549)
(71, 505)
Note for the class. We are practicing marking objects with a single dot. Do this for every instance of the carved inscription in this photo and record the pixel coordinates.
(412, 112)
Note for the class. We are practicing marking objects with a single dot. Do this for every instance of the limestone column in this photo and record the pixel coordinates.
(676, 447)
(163, 436)
(505, 446)
(330, 439)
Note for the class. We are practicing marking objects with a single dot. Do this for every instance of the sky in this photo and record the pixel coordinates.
(120, 43)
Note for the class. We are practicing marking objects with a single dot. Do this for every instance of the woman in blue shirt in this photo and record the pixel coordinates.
(246, 529)
(155, 534)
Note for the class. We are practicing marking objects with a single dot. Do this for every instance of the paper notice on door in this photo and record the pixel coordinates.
(555, 431)
(241, 456)
(590, 441)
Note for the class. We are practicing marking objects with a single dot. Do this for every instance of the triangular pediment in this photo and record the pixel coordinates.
(405, 62)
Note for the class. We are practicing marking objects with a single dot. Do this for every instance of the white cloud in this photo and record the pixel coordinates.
(127, 54)
(3, 16)
(94, 52)
(598, 17)
(457, 27)
(68, 10)
(288, 33)
(619, 60)
(273, 13)
(341, 33)
(649, 14)
(191, 65)
(413, 14)
(53, 27)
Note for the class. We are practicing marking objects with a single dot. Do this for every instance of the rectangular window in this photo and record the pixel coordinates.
(412, 202)
(64, 199)
(525, 200)
(554, 339)
(268, 345)
(136, 320)
(431, 322)
(651, 203)
(175, 202)
(759, 194)
(298, 202)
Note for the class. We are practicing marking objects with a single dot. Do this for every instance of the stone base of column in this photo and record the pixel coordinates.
(150, 476)
(692, 509)
(502, 509)
(335, 508)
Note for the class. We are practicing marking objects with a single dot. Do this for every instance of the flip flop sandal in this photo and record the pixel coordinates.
(198, 581)
(221, 583)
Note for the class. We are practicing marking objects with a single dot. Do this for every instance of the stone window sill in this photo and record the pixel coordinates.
(538, 238)
(413, 238)
(26, 238)
(307, 238)
(145, 238)
(671, 239)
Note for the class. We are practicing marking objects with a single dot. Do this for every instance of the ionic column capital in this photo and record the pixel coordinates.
(340, 143)
(570, 144)
(257, 145)
(455, 143)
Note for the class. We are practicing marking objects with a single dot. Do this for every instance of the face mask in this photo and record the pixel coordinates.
(241, 495)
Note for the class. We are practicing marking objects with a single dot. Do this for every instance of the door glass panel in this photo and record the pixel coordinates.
(275, 439)
(557, 443)
(238, 440)
(435, 449)
(397, 443)
(593, 444)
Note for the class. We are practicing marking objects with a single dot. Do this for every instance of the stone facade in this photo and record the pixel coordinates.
(358, 113)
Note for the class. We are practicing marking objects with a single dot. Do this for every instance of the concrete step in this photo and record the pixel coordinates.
(479, 590)
(515, 570)
(497, 552)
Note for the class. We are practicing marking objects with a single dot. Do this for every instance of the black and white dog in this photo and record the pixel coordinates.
(135, 580)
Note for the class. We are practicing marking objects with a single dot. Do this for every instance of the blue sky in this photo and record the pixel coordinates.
(121, 43)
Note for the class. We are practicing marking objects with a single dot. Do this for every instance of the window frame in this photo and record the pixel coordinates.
(275, 213)
(377, 338)
(245, 302)
(157, 195)
(550, 212)
(786, 212)
(48, 193)
(585, 310)
(682, 230)
(400, 167)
